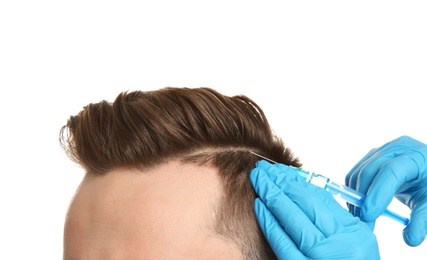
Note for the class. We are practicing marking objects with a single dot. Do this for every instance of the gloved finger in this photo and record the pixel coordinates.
(342, 216)
(394, 147)
(386, 183)
(415, 233)
(352, 178)
(374, 158)
(352, 209)
(327, 198)
(291, 217)
(319, 206)
(356, 212)
(356, 168)
(273, 171)
(279, 172)
(282, 245)
(362, 177)
(313, 201)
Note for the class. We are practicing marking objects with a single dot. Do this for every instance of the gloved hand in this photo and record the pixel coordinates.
(302, 221)
(398, 168)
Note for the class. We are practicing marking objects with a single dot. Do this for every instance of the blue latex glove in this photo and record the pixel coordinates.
(302, 221)
(396, 169)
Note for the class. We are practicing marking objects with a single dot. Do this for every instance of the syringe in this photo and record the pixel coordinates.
(348, 194)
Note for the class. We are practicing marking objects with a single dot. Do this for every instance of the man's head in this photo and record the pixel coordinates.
(167, 175)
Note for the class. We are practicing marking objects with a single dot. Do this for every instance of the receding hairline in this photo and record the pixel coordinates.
(192, 156)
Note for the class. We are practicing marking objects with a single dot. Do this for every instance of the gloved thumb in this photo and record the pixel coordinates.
(415, 233)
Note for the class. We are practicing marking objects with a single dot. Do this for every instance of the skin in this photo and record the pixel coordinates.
(165, 213)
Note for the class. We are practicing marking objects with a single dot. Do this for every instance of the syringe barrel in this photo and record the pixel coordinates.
(351, 196)
(356, 198)
(348, 194)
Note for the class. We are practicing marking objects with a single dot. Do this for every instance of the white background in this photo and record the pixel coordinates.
(335, 79)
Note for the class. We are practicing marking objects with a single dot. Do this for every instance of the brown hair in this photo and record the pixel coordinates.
(195, 125)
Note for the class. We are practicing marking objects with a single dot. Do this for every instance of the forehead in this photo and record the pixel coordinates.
(167, 209)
